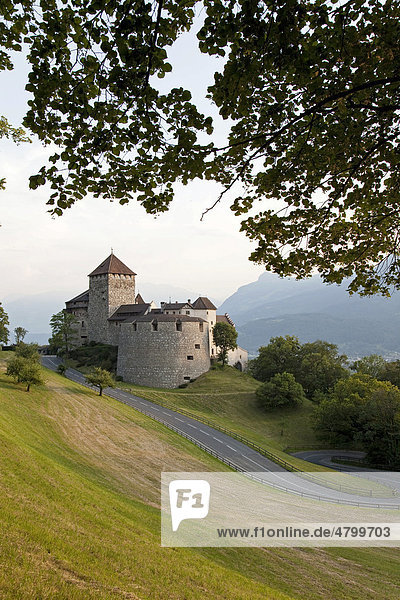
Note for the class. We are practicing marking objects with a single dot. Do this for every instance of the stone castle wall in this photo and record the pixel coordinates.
(81, 327)
(160, 358)
(121, 290)
(106, 293)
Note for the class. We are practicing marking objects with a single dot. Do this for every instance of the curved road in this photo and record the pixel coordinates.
(233, 452)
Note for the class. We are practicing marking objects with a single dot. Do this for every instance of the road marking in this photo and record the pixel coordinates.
(157, 409)
(217, 440)
(234, 449)
(256, 463)
(205, 432)
(178, 419)
(194, 426)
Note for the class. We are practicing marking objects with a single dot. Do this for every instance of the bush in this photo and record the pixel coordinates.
(96, 355)
(282, 390)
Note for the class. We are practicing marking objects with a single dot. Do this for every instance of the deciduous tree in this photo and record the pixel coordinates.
(225, 336)
(365, 411)
(311, 88)
(20, 333)
(63, 327)
(280, 355)
(100, 378)
(4, 332)
(373, 365)
(280, 391)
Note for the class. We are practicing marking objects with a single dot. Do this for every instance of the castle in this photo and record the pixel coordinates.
(161, 347)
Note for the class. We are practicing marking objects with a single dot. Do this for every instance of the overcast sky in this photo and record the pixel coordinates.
(45, 254)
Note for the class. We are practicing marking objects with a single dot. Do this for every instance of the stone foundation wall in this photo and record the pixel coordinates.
(160, 358)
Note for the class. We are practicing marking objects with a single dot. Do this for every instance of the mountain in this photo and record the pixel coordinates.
(312, 310)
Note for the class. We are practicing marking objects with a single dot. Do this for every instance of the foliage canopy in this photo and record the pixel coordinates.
(100, 378)
(311, 88)
(366, 411)
(280, 391)
(19, 334)
(64, 332)
(317, 366)
(225, 336)
(4, 332)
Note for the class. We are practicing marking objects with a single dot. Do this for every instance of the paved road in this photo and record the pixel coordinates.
(325, 458)
(230, 451)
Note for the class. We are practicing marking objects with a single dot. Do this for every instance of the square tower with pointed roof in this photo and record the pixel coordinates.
(111, 284)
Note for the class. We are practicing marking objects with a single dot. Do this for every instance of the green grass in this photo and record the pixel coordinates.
(79, 494)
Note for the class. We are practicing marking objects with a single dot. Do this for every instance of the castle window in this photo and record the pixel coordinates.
(212, 350)
(212, 322)
(134, 326)
(190, 357)
(154, 326)
(201, 326)
(188, 312)
(197, 346)
(186, 378)
(179, 326)
(83, 323)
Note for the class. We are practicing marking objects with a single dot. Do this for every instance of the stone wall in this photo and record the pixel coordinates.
(160, 358)
(106, 293)
(121, 290)
(81, 315)
(237, 357)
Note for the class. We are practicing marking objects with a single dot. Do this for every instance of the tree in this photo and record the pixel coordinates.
(31, 374)
(24, 366)
(100, 378)
(63, 327)
(373, 365)
(320, 367)
(317, 366)
(14, 367)
(280, 391)
(7, 131)
(281, 355)
(225, 336)
(4, 333)
(365, 411)
(61, 369)
(391, 372)
(20, 333)
(311, 88)
(381, 433)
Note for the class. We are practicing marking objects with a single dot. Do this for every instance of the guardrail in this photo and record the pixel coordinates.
(270, 455)
(240, 469)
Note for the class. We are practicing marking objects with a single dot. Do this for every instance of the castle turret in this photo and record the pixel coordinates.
(110, 285)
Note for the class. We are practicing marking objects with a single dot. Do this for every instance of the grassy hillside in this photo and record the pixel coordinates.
(78, 503)
(226, 397)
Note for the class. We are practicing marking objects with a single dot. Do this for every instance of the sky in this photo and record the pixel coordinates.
(45, 255)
